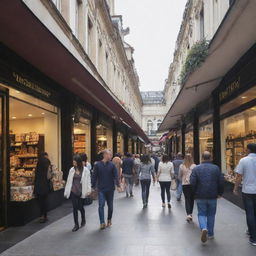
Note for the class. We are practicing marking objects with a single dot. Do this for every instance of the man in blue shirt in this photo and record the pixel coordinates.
(128, 173)
(105, 177)
(208, 184)
(176, 164)
(246, 171)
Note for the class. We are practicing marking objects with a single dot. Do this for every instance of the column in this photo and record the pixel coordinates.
(93, 136)
(114, 137)
(196, 138)
(183, 131)
(216, 131)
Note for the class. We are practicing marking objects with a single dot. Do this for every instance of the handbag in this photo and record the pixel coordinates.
(88, 200)
(173, 184)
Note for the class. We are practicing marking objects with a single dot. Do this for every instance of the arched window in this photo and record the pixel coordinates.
(159, 123)
(149, 127)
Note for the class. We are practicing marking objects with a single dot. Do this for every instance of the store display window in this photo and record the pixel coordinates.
(120, 143)
(81, 139)
(130, 145)
(103, 137)
(189, 141)
(237, 131)
(205, 138)
(34, 128)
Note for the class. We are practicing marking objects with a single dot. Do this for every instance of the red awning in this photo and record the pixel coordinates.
(22, 32)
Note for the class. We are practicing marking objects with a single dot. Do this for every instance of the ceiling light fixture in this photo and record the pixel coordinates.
(14, 117)
(244, 97)
(43, 113)
(17, 91)
(29, 115)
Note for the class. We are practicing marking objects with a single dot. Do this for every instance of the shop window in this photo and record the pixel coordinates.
(237, 132)
(104, 138)
(34, 128)
(120, 143)
(189, 142)
(130, 145)
(82, 137)
(205, 138)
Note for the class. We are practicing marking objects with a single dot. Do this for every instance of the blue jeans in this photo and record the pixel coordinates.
(250, 209)
(145, 186)
(206, 214)
(179, 189)
(109, 197)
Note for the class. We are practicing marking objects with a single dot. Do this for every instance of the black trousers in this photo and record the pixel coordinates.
(165, 188)
(42, 199)
(78, 205)
(250, 209)
(189, 198)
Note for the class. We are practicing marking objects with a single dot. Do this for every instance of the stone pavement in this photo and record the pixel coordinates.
(137, 232)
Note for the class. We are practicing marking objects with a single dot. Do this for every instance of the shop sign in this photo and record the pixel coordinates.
(229, 90)
(31, 85)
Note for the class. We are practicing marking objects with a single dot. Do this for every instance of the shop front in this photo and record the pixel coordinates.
(120, 143)
(82, 130)
(189, 140)
(30, 125)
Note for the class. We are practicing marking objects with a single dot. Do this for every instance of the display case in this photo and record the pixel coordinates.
(24, 151)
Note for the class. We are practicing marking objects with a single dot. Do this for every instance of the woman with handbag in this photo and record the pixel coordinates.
(184, 175)
(42, 184)
(77, 188)
(165, 174)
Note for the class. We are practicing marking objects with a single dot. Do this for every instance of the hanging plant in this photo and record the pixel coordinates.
(196, 56)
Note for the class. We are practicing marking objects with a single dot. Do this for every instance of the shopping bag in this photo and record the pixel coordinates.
(173, 185)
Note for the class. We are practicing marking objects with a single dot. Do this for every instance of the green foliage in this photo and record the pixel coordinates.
(195, 57)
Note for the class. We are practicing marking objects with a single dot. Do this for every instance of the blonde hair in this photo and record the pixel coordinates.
(188, 160)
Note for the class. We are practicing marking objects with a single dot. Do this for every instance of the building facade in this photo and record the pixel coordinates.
(68, 85)
(153, 112)
(213, 108)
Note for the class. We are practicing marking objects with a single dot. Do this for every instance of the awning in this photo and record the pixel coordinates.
(24, 33)
(163, 138)
(234, 37)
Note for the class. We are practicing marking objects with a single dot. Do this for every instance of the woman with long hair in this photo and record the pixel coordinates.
(146, 170)
(164, 177)
(42, 184)
(184, 175)
(78, 187)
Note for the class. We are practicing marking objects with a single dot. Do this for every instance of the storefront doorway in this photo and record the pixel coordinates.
(3, 179)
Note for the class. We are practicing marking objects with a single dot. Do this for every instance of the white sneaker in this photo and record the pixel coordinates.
(210, 237)
(204, 235)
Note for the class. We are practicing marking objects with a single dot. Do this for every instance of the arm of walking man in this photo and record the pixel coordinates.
(95, 176)
(239, 176)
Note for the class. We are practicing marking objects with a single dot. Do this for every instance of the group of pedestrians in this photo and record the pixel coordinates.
(203, 184)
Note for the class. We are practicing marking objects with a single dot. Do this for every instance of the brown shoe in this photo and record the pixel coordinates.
(204, 235)
(102, 226)
(109, 223)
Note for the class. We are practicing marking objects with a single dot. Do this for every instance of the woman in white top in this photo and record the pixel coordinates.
(184, 175)
(164, 176)
(78, 187)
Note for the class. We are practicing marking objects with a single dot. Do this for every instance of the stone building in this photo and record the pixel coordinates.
(153, 112)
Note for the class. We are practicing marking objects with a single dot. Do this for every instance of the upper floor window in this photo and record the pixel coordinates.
(159, 123)
(149, 127)
(57, 4)
(201, 20)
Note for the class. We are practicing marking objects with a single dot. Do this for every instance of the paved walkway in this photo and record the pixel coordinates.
(136, 232)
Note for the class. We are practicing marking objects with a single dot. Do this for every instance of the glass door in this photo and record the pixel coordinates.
(3, 158)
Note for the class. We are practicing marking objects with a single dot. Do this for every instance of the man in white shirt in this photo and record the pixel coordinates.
(246, 171)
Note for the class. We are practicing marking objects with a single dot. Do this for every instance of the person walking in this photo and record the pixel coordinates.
(184, 176)
(77, 188)
(136, 169)
(165, 174)
(105, 177)
(128, 173)
(146, 170)
(42, 184)
(246, 172)
(176, 163)
(208, 184)
(86, 163)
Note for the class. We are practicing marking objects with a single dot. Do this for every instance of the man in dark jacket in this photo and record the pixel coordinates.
(128, 173)
(208, 184)
(105, 177)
